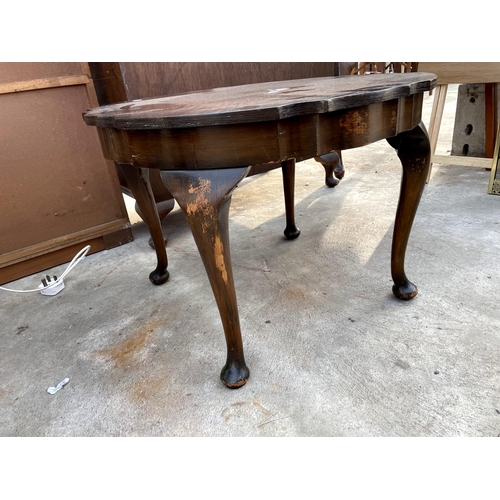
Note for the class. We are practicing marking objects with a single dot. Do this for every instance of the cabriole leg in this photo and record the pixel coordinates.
(138, 182)
(204, 196)
(413, 149)
(333, 165)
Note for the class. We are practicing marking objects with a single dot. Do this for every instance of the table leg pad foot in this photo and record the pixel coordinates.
(405, 292)
(292, 232)
(159, 276)
(234, 375)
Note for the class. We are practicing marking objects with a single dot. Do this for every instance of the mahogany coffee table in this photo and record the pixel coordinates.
(205, 142)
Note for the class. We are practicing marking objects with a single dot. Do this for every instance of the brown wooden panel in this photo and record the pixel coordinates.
(463, 72)
(409, 112)
(202, 148)
(298, 137)
(16, 72)
(359, 127)
(54, 179)
(152, 79)
(45, 247)
(108, 82)
(63, 255)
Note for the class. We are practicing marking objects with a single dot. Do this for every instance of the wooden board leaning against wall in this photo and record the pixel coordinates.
(487, 73)
(59, 194)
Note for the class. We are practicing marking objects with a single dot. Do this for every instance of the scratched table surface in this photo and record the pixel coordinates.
(259, 102)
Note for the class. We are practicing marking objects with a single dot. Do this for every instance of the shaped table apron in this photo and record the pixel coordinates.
(225, 146)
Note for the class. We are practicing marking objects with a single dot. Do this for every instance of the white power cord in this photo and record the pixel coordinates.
(49, 287)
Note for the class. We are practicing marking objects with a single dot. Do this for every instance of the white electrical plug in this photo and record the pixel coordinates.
(52, 287)
(49, 287)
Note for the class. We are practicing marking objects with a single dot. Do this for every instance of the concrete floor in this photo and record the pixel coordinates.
(330, 350)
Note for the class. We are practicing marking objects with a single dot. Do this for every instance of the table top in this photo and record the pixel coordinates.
(259, 102)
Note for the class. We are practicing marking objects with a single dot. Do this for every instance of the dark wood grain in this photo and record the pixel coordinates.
(226, 146)
(259, 102)
(126, 81)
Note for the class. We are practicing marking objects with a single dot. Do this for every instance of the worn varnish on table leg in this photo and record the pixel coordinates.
(204, 196)
(414, 151)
